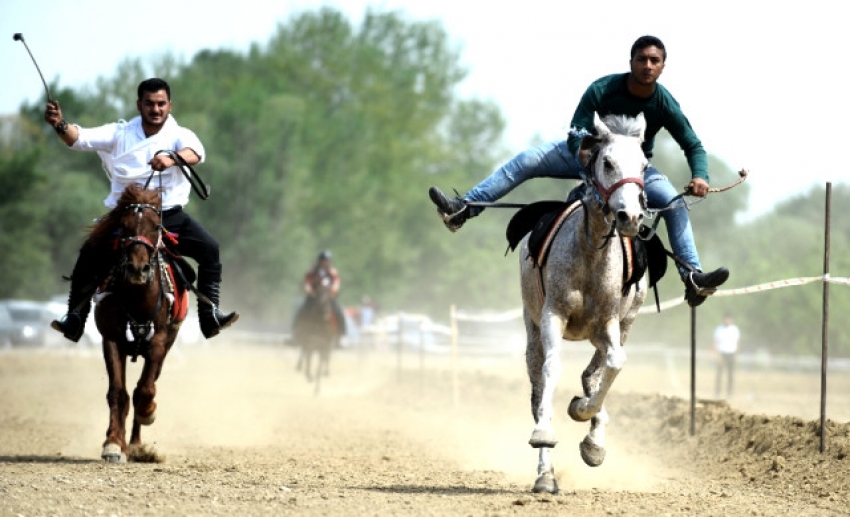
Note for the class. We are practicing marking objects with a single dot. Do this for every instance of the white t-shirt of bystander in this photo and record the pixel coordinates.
(726, 338)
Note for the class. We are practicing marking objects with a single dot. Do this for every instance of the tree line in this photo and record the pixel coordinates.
(327, 137)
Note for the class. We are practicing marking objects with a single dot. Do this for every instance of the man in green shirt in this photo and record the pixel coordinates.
(632, 93)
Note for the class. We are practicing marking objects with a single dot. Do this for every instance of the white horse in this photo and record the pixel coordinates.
(579, 292)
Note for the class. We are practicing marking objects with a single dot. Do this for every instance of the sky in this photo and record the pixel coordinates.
(759, 81)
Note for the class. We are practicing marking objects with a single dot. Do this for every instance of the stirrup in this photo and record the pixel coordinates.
(700, 291)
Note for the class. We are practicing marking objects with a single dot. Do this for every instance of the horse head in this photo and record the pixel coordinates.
(139, 234)
(617, 167)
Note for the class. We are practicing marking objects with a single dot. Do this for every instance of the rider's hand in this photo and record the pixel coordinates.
(161, 162)
(698, 187)
(53, 113)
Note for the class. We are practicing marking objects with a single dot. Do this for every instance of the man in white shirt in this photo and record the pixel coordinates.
(131, 152)
(726, 338)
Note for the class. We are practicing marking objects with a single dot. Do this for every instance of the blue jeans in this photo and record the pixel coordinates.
(554, 160)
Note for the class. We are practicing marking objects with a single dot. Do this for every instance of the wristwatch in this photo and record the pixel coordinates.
(62, 127)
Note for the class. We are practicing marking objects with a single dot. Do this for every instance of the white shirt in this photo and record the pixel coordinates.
(726, 339)
(126, 154)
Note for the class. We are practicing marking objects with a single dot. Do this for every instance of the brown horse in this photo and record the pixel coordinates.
(315, 331)
(138, 313)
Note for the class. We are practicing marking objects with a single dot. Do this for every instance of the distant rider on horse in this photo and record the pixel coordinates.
(322, 269)
(131, 152)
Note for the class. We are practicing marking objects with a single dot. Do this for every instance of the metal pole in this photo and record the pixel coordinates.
(693, 369)
(825, 325)
(399, 344)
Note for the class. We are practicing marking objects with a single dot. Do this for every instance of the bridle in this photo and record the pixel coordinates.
(602, 195)
(125, 243)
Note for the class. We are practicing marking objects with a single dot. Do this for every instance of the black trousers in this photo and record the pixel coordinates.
(727, 365)
(193, 240)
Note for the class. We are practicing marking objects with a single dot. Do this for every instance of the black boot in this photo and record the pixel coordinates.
(73, 324)
(83, 286)
(699, 285)
(453, 210)
(212, 320)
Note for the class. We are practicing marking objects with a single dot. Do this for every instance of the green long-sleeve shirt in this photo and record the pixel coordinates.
(610, 95)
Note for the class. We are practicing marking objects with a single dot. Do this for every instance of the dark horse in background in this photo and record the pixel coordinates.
(139, 310)
(315, 330)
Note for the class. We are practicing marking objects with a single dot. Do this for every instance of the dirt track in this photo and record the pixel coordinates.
(243, 434)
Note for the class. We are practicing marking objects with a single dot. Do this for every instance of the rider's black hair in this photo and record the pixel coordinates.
(152, 85)
(648, 41)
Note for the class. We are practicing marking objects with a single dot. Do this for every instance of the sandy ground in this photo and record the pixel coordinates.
(240, 432)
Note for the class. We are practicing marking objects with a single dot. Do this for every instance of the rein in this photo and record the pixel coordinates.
(198, 185)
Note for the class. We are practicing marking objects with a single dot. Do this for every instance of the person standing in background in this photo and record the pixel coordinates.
(726, 339)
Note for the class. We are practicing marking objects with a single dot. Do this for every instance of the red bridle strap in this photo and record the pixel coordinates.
(606, 192)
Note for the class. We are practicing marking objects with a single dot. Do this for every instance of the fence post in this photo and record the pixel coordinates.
(825, 323)
(693, 369)
(454, 337)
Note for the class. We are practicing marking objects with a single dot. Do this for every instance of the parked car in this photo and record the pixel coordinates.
(7, 328)
(30, 322)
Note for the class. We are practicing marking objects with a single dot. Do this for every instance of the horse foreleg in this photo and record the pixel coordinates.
(115, 446)
(551, 329)
(607, 362)
(144, 405)
(545, 481)
(308, 360)
(596, 380)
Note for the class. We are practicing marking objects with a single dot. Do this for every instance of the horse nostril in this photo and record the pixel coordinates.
(624, 217)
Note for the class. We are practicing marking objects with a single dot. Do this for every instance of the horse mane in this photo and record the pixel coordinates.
(104, 228)
(622, 125)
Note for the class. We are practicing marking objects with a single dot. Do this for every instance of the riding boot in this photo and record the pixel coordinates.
(83, 286)
(453, 211)
(211, 319)
(699, 285)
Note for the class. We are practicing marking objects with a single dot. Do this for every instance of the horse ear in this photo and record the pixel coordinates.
(641, 121)
(602, 130)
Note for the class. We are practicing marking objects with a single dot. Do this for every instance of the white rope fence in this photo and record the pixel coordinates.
(669, 304)
(778, 284)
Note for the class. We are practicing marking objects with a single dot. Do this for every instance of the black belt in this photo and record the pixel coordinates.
(172, 210)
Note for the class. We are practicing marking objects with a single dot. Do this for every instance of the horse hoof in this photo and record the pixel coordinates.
(592, 454)
(547, 483)
(573, 410)
(146, 420)
(540, 438)
(112, 453)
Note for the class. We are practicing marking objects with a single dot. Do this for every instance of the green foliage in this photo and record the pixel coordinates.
(328, 137)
